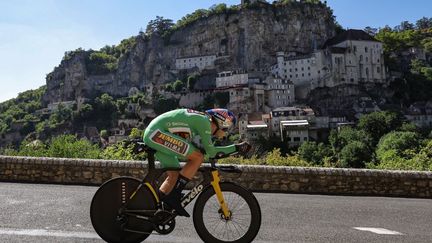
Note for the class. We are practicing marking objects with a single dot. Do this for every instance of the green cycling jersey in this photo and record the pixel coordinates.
(177, 134)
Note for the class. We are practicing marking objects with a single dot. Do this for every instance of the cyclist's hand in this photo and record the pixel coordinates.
(243, 148)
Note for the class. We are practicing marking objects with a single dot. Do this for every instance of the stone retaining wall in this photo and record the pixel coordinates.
(257, 178)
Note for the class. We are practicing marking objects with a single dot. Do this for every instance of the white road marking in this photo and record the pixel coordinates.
(49, 233)
(380, 231)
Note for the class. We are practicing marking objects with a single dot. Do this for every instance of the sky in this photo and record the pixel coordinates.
(34, 35)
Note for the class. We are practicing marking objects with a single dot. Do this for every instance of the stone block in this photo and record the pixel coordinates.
(87, 174)
(294, 186)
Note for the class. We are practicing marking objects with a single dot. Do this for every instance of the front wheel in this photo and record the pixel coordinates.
(242, 225)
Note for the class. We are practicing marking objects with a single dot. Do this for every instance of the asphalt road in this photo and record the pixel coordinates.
(56, 213)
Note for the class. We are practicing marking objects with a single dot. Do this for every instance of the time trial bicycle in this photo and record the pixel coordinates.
(127, 209)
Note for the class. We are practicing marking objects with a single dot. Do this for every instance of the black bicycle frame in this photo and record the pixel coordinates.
(210, 175)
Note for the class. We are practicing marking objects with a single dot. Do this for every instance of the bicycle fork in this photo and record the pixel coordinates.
(216, 186)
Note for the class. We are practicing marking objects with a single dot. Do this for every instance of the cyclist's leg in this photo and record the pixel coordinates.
(172, 176)
(170, 147)
(195, 160)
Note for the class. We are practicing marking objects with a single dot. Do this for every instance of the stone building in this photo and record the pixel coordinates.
(231, 78)
(284, 118)
(200, 62)
(352, 57)
(253, 126)
(420, 113)
(279, 92)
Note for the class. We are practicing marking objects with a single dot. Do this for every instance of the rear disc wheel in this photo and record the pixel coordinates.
(105, 214)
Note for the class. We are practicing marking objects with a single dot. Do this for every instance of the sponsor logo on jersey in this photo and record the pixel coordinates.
(169, 142)
(176, 124)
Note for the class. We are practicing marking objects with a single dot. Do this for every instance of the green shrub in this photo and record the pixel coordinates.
(313, 153)
(68, 146)
(355, 155)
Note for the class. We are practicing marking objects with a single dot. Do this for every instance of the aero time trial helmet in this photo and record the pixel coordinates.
(223, 118)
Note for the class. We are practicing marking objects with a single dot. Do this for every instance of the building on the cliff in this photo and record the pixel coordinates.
(420, 113)
(255, 91)
(200, 62)
(279, 92)
(254, 126)
(231, 78)
(352, 57)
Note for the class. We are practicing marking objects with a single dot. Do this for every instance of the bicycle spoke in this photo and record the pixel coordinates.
(234, 228)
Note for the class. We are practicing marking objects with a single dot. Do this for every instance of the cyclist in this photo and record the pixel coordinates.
(183, 134)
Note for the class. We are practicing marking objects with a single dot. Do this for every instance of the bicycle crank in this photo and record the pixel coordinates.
(166, 222)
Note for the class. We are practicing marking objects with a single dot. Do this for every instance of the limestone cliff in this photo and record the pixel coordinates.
(248, 38)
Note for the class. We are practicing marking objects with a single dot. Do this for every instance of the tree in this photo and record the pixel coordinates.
(68, 146)
(427, 44)
(191, 80)
(355, 155)
(105, 110)
(104, 134)
(405, 25)
(219, 8)
(399, 142)
(313, 153)
(376, 124)
(136, 133)
(371, 31)
(345, 136)
(417, 65)
(162, 104)
(178, 85)
(159, 26)
(100, 63)
(424, 23)
(121, 106)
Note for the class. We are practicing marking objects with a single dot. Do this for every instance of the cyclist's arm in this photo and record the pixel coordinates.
(205, 133)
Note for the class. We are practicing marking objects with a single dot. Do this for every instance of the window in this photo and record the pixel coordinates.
(302, 68)
(367, 59)
(305, 139)
(296, 139)
(361, 58)
(367, 71)
(355, 49)
(366, 49)
(378, 69)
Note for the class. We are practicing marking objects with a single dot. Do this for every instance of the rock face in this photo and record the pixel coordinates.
(247, 39)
